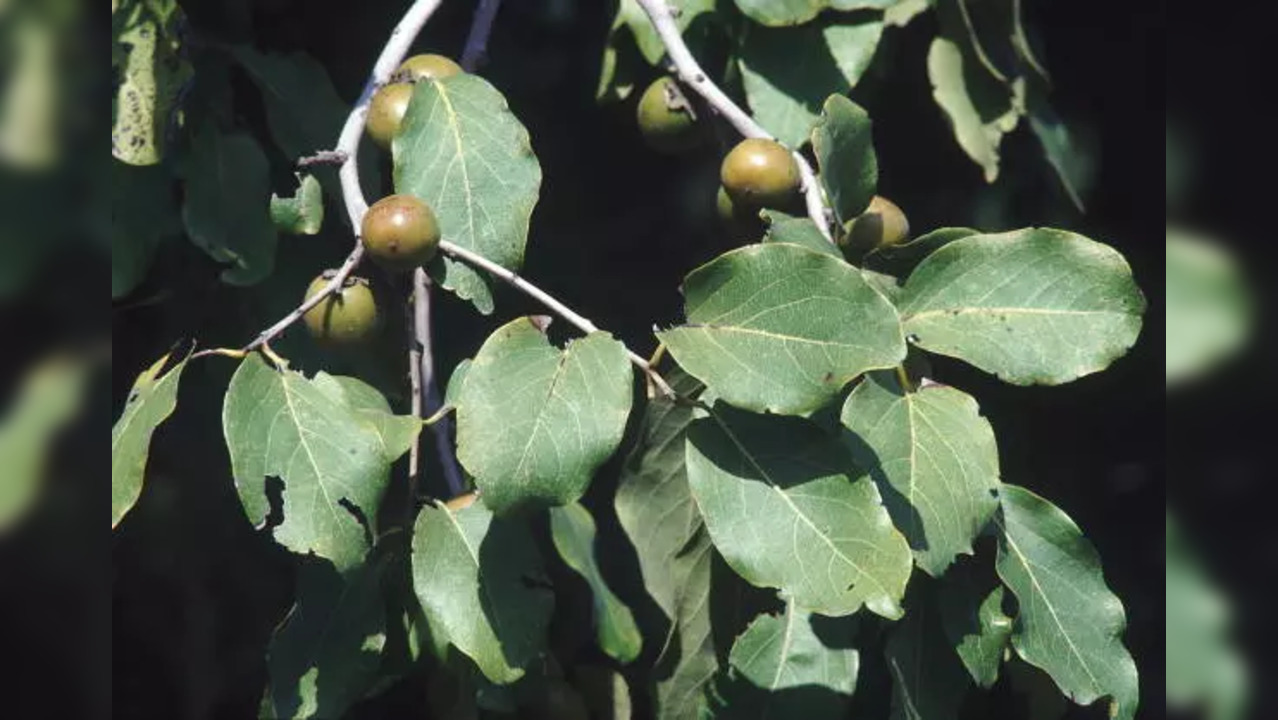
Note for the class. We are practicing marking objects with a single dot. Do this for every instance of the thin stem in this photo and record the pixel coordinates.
(428, 394)
(541, 296)
(690, 72)
(415, 385)
(481, 25)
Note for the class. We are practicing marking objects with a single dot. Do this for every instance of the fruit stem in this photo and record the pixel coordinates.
(690, 72)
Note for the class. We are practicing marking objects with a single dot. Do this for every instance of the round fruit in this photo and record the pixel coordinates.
(761, 173)
(347, 317)
(665, 118)
(400, 232)
(881, 224)
(386, 112)
(426, 67)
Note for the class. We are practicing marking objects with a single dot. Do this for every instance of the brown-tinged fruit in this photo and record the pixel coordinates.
(882, 224)
(426, 67)
(386, 112)
(740, 222)
(400, 232)
(345, 318)
(666, 118)
(760, 173)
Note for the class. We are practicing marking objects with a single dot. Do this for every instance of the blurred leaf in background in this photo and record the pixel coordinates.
(1209, 306)
(146, 52)
(1205, 672)
(48, 399)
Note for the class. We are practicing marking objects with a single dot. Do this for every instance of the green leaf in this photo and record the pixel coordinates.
(278, 423)
(688, 662)
(793, 665)
(786, 509)
(657, 512)
(973, 619)
(934, 459)
(396, 433)
(33, 87)
(304, 111)
(631, 16)
(1074, 163)
(1069, 622)
(534, 422)
(455, 381)
(1031, 306)
(47, 399)
(145, 53)
(480, 579)
(900, 260)
(150, 402)
(143, 212)
(1204, 668)
(225, 209)
(845, 157)
(780, 328)
(928, 682)
(303, 213)
(784, 228)
(980, 110)
(573, 531)
(1209, 306)
(797, 12)
(463, 152)
(789, 72)
(329, 648)
(903, 11)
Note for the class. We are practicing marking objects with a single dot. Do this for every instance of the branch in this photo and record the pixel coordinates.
(585, 325)
(690, 72)
(426, 394)
(480, 27)
(397, 45)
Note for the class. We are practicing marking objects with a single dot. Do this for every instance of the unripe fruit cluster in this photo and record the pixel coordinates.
(389, 104)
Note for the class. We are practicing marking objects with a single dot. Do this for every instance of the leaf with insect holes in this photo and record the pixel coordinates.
(781, 328)
(534, 422)
(303, 213)
(150, 402)
(463, 152)
(332, 463)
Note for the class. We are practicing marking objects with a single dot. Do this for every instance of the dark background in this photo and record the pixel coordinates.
(195, 592)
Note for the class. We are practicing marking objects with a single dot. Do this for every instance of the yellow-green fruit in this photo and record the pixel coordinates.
(400, 232)
(386, 112)
(665, 118)
(426, 67)
(761, 173)
(347, 317)
(881, 224)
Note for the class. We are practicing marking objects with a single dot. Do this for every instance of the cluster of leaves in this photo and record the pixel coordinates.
(799, 459)
(786, 56)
